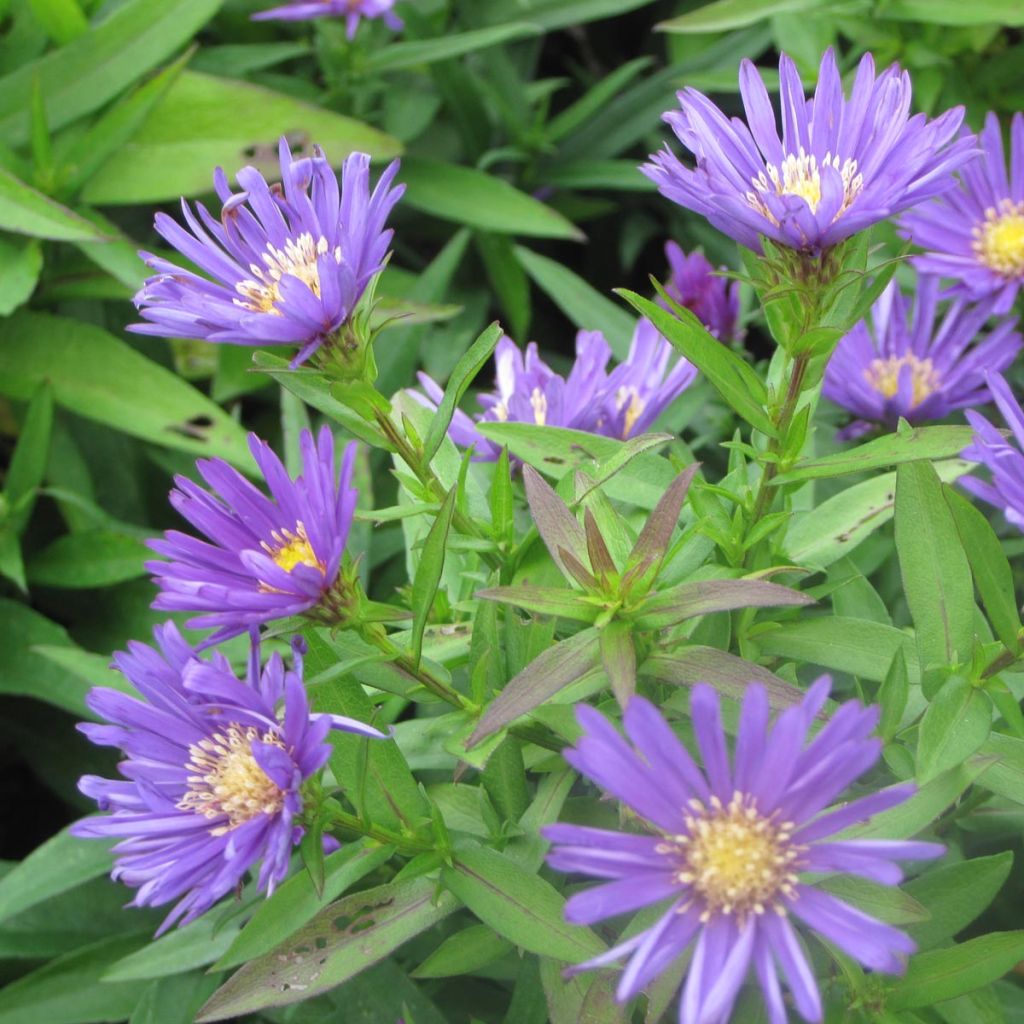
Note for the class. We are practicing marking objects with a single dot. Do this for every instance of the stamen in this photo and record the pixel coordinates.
(884, 376)
(800, 175)
(999, 239)
(735, 860)
(225, 780)
(289, 550)
(539, 401)
(298, 258)
(634, 408)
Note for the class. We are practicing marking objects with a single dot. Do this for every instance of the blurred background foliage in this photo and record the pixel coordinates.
(520, 124)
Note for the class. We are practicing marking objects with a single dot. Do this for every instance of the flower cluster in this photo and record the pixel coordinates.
(284, 265)
(724, 849)
(840, 166)
(621, 403)
(914, 365)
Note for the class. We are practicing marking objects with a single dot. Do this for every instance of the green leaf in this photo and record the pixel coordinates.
(427, 51)
(1006, 13)
(834, 528)
(892, 696)
(90, 558)
(956, 724)
(60, 864)
(729, 14)
(461, 377)
(504, 778)
(733, 378)
(195, 945)
(518, 905)
(203, 122)
(704, 597)
(296, 902)
(63, 20)
(946, 973)
(84, 75)
(21, 262)
(992, 574)
(857, 646)
(464, 953)
(25, 211)
(27, 468)
(68, 990)
(618, 656)
(552, 14)
(468, 196)
(942, 442)
(955, 894)
(1006, 774)
(586, 307)
(885, 902)
(429, 571)
(559, 601)
(935, 572)
(173, 1000)
(101, 378)
(342, 940)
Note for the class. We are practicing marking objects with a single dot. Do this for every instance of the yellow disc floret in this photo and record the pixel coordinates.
(292, 548)
(884, 376)
(628, 398)
(299, 258)
(999, 239)
(734, 859)
(800, 175)
(227, 781)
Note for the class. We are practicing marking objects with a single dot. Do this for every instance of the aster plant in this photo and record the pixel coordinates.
(213, 775)
(841, 164)
(974, 234)
(284, 264)
(713, 299)
(353, 11)
(264, 558)
(724, 849)
(910, 363)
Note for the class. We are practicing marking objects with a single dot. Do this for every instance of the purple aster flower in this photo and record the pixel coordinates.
(351, 10)
(639, 389)
(266, 558)
(1002, 458)
(975, 233)
(714, 300)
(285, 264)
(917, 366)
(841, 166)
(726, 847)
(213, 772)
(529, 391)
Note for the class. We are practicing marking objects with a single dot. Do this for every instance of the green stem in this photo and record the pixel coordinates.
(403, 842)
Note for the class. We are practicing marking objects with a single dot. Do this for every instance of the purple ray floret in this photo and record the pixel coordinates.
(284, 265)
(713, 299)
(840, 166)
(529, 391)
(212, 775)
(351, 10)
(726, 846)
(639, 389)
(265, 558)
(975, 233)
(1003, 458)
(913, 364)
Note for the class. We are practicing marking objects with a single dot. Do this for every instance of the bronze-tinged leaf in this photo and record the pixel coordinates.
(619, 658)
(343, 939)
(552, 671)
(545, 601)
(701, 597)
(557, 525)
(726, 672)
(657, 532)
(600, 556)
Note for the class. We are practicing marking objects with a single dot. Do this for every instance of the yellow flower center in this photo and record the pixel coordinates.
(298, 258)
(735, 860)
(884, 376)
(999, 239)
(630, 400)
(800, 175)
(226, 780)
(291, 549)
(539, 401)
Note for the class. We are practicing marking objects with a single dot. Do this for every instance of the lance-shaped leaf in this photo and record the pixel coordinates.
(600, 556)
(552, 671)
(558, 527)
(545, 601)
(701, 597)
(619, 658)
(726, 672)
(342, 940)
(657, 532)
(428, 573)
